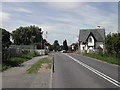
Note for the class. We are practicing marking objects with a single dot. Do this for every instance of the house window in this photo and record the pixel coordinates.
(84, 43)
(90, 39)
(83, 48)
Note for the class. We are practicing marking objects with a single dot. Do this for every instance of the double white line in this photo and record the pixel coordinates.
(96, 72)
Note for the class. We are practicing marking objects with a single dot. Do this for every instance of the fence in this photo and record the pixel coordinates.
(41, 52)
(15, 50)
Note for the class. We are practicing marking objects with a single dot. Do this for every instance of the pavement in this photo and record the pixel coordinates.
(18, 78)
(76, 71)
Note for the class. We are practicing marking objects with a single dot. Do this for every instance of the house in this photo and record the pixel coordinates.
(91, 40)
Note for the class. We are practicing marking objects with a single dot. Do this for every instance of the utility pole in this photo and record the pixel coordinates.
(41, 42)
(46, 34)
(46, 38)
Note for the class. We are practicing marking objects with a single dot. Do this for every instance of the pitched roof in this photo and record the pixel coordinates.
(99, 34)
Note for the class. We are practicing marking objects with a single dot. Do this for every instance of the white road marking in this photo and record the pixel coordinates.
(96, 71)
(50, 85)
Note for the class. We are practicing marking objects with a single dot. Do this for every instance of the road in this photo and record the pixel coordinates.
(76, 71)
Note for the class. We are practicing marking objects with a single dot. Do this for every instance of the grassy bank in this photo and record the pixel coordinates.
(35, 67)
(108, 59)
(16, 61)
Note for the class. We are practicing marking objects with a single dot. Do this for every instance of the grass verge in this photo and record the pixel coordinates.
(108, 59)
(16, 61)
(4, 67)
(35, 67)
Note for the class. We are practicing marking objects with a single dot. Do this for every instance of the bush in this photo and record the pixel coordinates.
(46, 52)
(4, 67)
(30, 55)
(0, 67)
(25, 51)
(27, 56)
(15, 61)
(35, 53)
(12, 62)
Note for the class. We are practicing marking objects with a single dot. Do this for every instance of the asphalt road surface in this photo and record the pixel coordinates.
(76, 71)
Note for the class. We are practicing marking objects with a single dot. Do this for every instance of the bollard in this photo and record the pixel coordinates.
(53, 65)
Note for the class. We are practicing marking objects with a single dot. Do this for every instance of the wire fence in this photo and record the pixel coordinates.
(16, 50)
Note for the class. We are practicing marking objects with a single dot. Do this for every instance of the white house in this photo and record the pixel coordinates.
(91, 40)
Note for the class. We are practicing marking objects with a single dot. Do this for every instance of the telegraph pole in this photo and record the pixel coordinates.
(46, 34)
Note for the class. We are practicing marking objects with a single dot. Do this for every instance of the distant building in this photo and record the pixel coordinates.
(91, 40)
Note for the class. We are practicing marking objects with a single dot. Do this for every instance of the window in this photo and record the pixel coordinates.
(83, 48)
(90, 39)
(84, 43)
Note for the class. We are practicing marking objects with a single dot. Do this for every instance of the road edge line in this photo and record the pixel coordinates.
(94, 70)
(51, 76)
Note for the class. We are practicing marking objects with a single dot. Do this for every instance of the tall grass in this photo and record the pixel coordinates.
(106, 58)
(16, 61)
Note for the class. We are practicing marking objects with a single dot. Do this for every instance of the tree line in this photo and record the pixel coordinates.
(30, 35)
(57, 47)
(33, 35)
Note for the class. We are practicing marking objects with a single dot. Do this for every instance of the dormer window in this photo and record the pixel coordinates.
(90, 39)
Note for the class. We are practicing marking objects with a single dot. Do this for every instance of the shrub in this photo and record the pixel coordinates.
(25, 51)
(30, 55)
(46, 52)
(27, 56)
(35, 53)
(0, 67)
(15, 61)
(4, 67)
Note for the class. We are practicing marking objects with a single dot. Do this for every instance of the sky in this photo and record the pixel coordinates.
(62, 20)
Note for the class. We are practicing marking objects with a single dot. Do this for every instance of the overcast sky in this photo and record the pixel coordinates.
(62, 20)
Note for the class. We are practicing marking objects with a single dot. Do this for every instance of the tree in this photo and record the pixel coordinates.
(5, 38)
(51, 48)
(116, 43)
(109, 44)
(112, 43)
(65, 46)
(5, 43)
(56, 45)
(27, 35)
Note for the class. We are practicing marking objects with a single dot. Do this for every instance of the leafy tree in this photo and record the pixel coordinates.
(5, 43)
(61, 47)
(27, 35)
(108, 43)
(56, 45)
(112, 43)
(51, 48)
(65, 46)
(116, 42)
(5, 38)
